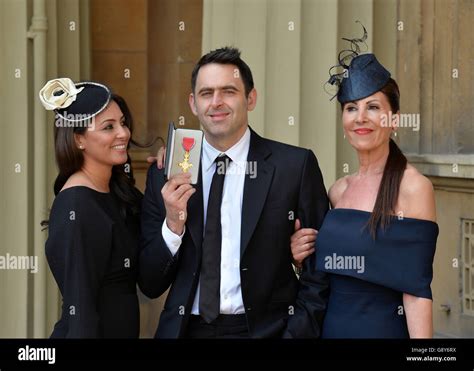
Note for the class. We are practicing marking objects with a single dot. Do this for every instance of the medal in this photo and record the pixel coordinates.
(188, 144)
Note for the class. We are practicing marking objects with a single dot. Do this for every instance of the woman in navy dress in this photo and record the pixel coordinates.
(377, 244)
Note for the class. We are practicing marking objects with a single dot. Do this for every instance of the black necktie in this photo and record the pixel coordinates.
(209, 296)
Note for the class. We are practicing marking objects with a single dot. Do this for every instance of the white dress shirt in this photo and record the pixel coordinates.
(231, 211)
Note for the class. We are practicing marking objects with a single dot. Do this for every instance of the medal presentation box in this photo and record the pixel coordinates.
(183, 152)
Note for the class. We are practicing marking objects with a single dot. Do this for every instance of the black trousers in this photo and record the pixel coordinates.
(225, 326)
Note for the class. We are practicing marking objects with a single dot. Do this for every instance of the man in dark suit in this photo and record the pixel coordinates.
(223, 246)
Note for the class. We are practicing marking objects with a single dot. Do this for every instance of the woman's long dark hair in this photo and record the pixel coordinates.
(70, 159)
(387, 195)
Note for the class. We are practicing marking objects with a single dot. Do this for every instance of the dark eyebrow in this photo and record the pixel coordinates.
(229, 87)
(373, 101)
(111, 119)
(225, 87)
(205, 89)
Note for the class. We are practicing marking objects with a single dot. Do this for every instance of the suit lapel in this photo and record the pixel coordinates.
(256, 189)
(195, 218)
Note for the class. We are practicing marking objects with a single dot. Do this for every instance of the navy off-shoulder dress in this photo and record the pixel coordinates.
(92, 252)
(368, 277)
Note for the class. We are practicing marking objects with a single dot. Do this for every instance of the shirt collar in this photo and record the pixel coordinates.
(237, 153)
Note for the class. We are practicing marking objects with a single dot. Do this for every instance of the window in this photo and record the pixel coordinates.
(468, 267)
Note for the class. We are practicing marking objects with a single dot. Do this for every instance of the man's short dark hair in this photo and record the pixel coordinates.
(226, 55)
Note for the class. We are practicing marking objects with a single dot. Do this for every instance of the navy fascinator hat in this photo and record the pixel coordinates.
(74, 103)
(363, 74)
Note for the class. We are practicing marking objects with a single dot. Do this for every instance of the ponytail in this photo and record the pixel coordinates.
(389, 189)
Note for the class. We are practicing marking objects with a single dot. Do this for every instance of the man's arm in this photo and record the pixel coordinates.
(314, 287)
(159, 241)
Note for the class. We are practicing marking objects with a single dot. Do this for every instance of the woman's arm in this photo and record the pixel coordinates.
(417, 200)
(78, 251)
(419, 314)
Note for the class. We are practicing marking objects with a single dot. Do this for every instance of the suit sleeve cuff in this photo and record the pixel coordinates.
(173, 241)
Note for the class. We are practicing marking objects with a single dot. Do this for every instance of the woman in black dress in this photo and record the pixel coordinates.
(94, 221)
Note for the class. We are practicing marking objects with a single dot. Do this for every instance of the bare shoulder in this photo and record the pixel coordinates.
(416, 197)
(413, 182)
(337, 189)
